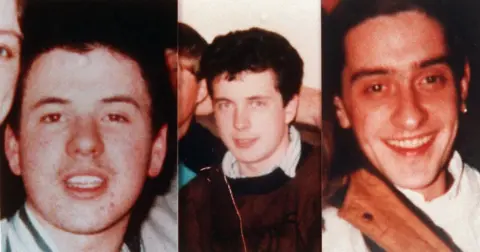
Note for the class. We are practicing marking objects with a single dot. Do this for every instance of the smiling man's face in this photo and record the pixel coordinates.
(400, 97)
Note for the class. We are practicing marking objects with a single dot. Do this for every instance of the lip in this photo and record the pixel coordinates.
(411, 146)
(244, 143)
(85, 185)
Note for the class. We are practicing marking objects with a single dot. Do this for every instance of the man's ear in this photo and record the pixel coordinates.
(159, 151)
(12, 151)
(465, 82)
(202, 91)
(291, 109)
(341, 112)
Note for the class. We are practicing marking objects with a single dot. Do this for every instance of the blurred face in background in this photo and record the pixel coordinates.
(185, 85)
(400, 97)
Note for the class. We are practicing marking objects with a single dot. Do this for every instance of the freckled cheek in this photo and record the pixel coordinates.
(224, 122)
(127, 188)
(46, 149)
(130, 151)
(123, 197)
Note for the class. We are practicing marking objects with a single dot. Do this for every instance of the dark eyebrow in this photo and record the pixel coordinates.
(122, 99)
(11, 33)
(50, 100)
(220, 99)
(250, 98)
(367, 72)
(382, 71)
(433, 61)
(258, 97)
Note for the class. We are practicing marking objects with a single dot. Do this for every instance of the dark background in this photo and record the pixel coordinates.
(467, 13)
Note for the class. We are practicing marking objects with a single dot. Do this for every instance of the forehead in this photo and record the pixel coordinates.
(246, 84)
(394, 41)
(8, 17)
(84, 77)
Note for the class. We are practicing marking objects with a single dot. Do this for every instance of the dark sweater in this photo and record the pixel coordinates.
(277, 211)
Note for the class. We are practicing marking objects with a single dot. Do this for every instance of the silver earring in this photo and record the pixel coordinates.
(464, 108)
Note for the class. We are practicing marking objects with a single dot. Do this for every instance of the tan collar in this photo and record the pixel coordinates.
(373, 208)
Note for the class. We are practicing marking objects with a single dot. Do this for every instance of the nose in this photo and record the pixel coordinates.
(241, 120)
(85, 139)
(409, 113)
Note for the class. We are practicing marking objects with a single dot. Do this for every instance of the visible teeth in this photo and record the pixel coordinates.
(410, 143)
(84, 181)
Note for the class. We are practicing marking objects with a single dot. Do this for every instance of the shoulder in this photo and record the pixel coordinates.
(10, 239)
(473, 177)
(339, 235)
(4, 229)
(472, 171)
(160, 228)
(200, 186)
(309, 156)
(309, 165)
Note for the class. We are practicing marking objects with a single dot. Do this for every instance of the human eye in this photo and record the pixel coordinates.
(6, 53)
(433, 79)
(51, 118)
(116, 118)
(223, 105)
(375, 88)
(257, 104)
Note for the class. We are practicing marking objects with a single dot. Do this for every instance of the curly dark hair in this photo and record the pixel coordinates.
(190, 43)
(254, 50)
(351, 13)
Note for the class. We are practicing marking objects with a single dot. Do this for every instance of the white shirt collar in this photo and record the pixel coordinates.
(288, 164)
(32, 235)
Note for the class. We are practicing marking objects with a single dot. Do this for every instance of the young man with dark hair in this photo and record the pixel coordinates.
(88, 125)
(184, 63)
(399, 77)
(264, 193)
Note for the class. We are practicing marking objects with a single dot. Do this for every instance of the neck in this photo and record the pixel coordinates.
(258, 168)
(108, 240)
(183, 127)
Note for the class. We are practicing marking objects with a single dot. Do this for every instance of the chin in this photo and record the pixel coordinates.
(415, 181)
(88, 221)
(247, 157)
(78, 226)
